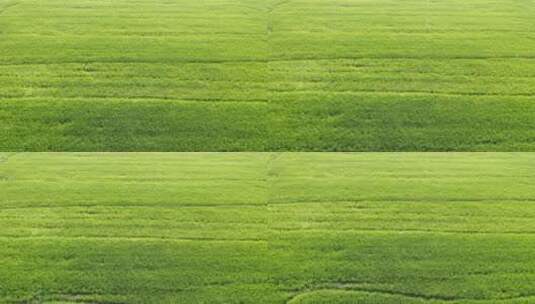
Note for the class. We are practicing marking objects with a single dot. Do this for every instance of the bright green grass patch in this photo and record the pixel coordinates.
(251, 75)
(267, 227)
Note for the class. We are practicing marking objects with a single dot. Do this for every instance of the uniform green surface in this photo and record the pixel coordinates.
(267, 228)
(251, 75)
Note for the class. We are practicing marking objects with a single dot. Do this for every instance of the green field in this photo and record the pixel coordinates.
(270, 79)
(252, 75)
(267, 228)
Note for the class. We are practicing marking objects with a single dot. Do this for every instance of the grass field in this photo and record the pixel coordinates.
(267, 228)
(251, 75)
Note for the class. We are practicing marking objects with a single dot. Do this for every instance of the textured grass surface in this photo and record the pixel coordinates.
(267, 228)
(250, 75)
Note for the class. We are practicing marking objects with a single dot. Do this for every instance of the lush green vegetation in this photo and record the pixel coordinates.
(273, 75)
(251, 75)
(267, 228)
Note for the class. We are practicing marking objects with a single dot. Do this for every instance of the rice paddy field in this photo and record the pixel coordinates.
(267, 228)
(251, 75)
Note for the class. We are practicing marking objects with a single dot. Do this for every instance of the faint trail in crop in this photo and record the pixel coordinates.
(278, 4)
(8, 5)
(271, 9)
(271, 168)
(272, 173)
(4, 157)
(427, 17)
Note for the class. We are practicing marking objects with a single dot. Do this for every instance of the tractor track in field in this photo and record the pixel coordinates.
(410, 231)
(355, 289)
(371, 291)
(269, 60)
(178, 100)
(403, 200)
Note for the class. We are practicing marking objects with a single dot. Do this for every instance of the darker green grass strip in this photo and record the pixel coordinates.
(131, 126)
(295, 122)
(354, 122)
